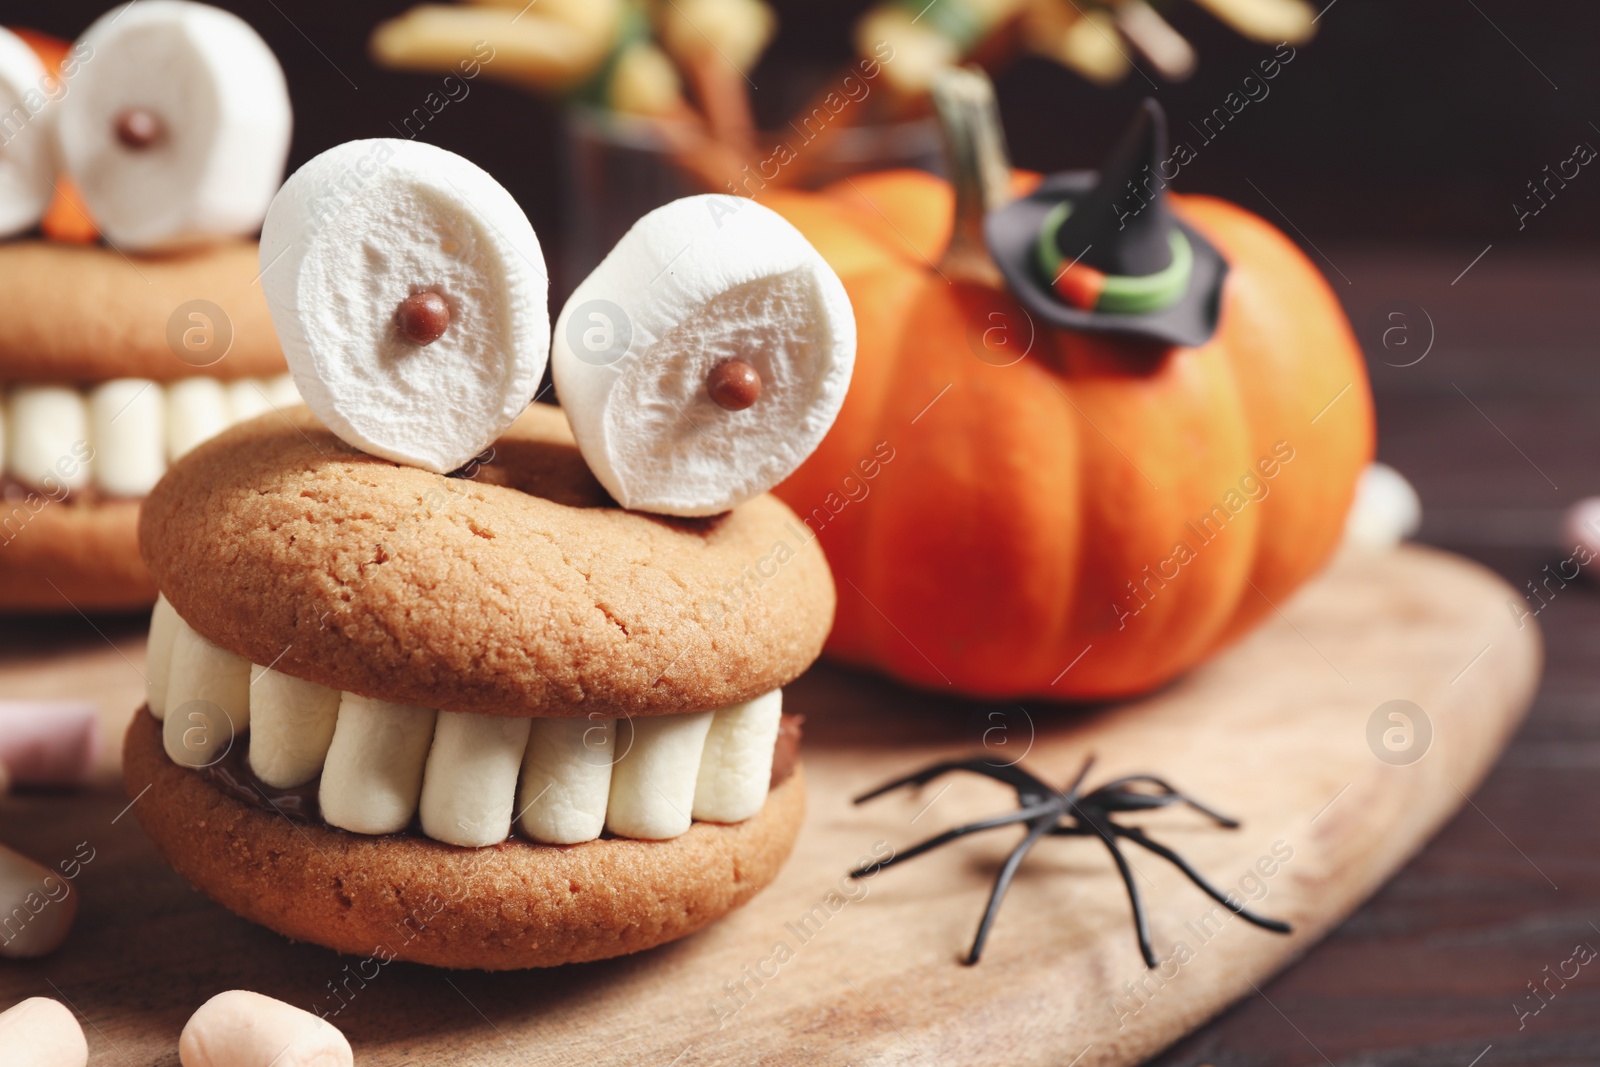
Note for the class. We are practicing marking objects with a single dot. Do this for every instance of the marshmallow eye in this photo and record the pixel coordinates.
(177, 124)
(705, 358)
(26, 162)
(409, 293)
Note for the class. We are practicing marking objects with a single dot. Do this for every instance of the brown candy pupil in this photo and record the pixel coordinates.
(423, 318)
(734, 385)
(139, 128)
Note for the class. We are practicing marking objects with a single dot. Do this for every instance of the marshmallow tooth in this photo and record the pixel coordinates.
(470, 782)
(27, 163)
(736, 763)
(566, 779)
(373, 774)
(208, 700)
(177, 129)
(705, 358)
(409, 293)
(197, 410)
(128, 425)
(49, 430)
(291, 727)
(164, 627)
(653, 783)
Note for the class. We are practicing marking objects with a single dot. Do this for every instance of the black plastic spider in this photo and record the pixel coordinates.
(1047, 810)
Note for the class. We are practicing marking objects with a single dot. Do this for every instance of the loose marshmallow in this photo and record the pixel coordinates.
(566, 779)
(164, 627)
(736, 763)
(48, 742)
(695, 284)
(27, 165)
(373, 775)
(216, 104)
(653, 783)
(244, 1029)
(291, 727)
(37, 907)
(208, 700)
(50, 447)
(470, 782)
(40, 1032)
(1386, 509)
(128, 426)
(361, 228)
(197, 410)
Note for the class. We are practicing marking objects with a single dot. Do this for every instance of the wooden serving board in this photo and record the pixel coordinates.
(817, 970)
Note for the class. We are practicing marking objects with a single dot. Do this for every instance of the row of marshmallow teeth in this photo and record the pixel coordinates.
(381, 764)
(120, 435)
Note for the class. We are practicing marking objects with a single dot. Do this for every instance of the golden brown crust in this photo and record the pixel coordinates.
(58, 557)
(512, 906)
(79, 314)
(280, 543)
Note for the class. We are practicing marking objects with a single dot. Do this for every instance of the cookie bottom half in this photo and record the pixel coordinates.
(56, 556)
(506, 907)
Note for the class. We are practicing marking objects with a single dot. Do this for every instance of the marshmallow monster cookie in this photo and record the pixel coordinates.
(416, 679)
(166, 124)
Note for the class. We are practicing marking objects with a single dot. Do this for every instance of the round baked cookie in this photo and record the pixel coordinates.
(85, 313)
(519, 591)
(111, 367)
(517, 905)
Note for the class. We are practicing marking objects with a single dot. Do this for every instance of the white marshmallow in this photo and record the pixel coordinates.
(128, 426)
(244, 1029)
(164, 627)
(281, 391)
(50, 447)
(27, 164)
(291, 727)
(208, 700)
(653, 783)
(223, 105)
(247, 398)
(197, 410)
(355, 232)
(40, 1032)
(694, 284)
(470, 783)
(1386, 509)
(373, 774)
(566, 779)
(736, 763)
(37, 906)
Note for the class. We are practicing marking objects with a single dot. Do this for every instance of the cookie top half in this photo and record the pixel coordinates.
(514, 587)
(78, 314)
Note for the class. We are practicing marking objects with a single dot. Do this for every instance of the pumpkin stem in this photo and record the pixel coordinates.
(980, 169)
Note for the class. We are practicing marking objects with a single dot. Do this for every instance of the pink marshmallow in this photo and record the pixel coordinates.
(49, 742)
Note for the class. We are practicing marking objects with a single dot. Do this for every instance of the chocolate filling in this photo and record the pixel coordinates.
(232, 776)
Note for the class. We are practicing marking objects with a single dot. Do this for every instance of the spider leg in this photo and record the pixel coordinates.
(1141, 925)
(1002, 882)
(1168, 795)
(1019, 779)
(1138, 836)
(1053, 810)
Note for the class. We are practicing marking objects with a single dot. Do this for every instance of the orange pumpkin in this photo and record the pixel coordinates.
(1098, 516)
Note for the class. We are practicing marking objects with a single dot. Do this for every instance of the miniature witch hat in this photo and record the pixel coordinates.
(1101, 252)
